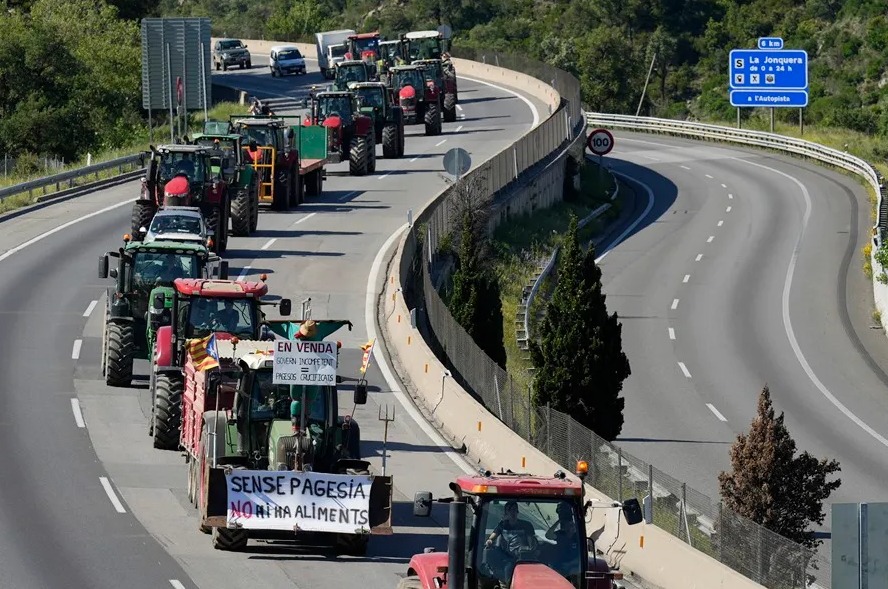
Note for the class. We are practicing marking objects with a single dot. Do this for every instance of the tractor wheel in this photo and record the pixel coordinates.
(295, 188)
(167, 410)
(449, 108)
(241, 213)
(224, 219)
(433, 120)
(410, 583)
(371, 155)
(281, 200)
(357, 157)
(211, 218)
(391, 140)
(249, 64)
(401, 140)
(254, 210)
(314, 183)
(121, 346)
(143, 213)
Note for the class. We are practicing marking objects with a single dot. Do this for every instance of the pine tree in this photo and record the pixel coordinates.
(772, 486)
(579, 359)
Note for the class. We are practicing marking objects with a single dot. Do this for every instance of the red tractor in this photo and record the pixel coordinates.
(352, 134)
(420, 99)
(182, 175)
(363, 47)
(521, 531)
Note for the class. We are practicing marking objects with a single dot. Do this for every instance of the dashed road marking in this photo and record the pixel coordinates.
(458, 129)
(711, 237)
(109, 490)
(384, 176)
(177, 584)
(716, 412)
(78, 413)
(671, 333)
(708, 176)
(685, 167)
(416, 158)
(728, 210)
(720, 223)
(269, 243)
(442, 142)
(75, 351)
(724, 186)
(731, 196)
(684, 369)
(90, 308)
(686, 278)
(674, 304)
(243, 274)
(698, 258)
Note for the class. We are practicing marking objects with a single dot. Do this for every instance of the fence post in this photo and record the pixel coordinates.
(620, 475)
(721, 531)
(651, 492)
(529, 410)
(681, 514)
(549, 430)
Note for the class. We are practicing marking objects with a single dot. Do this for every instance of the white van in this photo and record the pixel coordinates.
(285, 59)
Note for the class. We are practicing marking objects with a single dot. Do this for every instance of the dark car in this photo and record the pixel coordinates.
(227, 52)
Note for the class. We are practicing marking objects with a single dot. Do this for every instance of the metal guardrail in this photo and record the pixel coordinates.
(774, 141)
(68, 179)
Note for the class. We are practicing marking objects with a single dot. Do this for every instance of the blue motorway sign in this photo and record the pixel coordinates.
(770, 43)
(753, 69)
(769, 98)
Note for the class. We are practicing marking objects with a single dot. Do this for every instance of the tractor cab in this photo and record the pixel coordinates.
(374, 96)
(390, 51)
(363, 47)
(432, 71)
(226, 153)
(178, 175)
(424, 45)
(351, 72)
(510, 527)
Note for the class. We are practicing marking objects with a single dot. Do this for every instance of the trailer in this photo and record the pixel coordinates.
(331, 47)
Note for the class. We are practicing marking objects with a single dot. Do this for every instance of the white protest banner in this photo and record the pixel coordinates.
(308, 501)
(300, 362)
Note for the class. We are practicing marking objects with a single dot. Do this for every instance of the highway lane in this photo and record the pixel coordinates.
(59, 507)
(715, 305)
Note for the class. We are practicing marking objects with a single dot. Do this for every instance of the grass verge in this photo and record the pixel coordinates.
(140, 143)
(523, 242)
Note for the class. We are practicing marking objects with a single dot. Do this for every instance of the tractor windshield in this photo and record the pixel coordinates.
(367, 44)
(273, 401)
(353, 73)
(411, 77)
(429, 48)
(371, 97)
(261, 135)
(161, 268)
(234, 316)
(174, 163)
(335, 105)
(537, 530)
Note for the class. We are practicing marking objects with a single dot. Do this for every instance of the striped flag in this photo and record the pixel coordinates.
(368, 350)
(203, 352)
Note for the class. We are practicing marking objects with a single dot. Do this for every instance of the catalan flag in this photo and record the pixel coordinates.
(203, 352)
(368, 350)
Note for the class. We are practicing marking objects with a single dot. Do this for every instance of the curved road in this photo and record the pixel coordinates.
(87, 501)
(746, 271)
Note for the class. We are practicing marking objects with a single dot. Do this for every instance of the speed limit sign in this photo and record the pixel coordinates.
(600, 142)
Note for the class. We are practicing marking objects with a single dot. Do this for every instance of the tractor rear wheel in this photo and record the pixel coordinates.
(143, 213)
(371, 155)
(241, 214)
(314, 183)
(358, 156)
(281, 199)
(449, 108)
(167, 410)
(433, 120)
(390, 141)
(121, 350)
(401, 139)
(296, 188)
(254, 209)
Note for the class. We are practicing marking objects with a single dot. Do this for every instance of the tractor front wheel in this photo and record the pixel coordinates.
(241, 215)
(357, 157)
(449, 108)
(433, 120)
(168, 388)
(254, 209)
(391, 140)
(121, 350)
(143, 213)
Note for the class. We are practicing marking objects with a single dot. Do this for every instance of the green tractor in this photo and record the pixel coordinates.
(144, 273)
(257, 425)
(240, 176)
(376, 102)
(351, 72)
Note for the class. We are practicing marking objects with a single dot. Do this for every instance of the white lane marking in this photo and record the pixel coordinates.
(78, 414)
(731, 196)
(459, 108)
(370, 321)
(650, 157)
(177, 584)
(708, 176)
(310, 215)
(685, 167)
(686, 278)
(442, 142)
(530, 105)
(671, 333)
(340, 199)
(720, 223)
(109, 490)
(243, 273)
(716, 411)
(89, 309)
(416, 158)
(384, 176)
(458, 129)
(75, 351)
(787, 323)
(269, 243)
(711, 237)
(728, 210)
(684, 369)
(46, 234)
(724, 186)
(630, 228)
(698, 258)
(674, 304)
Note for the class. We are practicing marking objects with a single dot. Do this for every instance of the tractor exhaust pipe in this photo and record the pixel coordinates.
(456, 545)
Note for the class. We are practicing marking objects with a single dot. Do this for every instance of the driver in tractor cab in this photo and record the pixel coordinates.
(202, 321)
(510, 541)
(229, 317)
(562, 555)
(162, 271)
(371, 98)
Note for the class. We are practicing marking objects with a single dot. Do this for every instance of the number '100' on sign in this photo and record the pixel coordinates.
(600, 141)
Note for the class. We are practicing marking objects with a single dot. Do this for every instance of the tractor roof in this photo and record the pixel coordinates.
(404, 68)
(182, 148)
(232, 136)
(260, 122)
(390, 42)
(364, 35)
(351, 62)
(334, 93)
(518, 485)
(369, 85)
(424, 35)
(426, 61)
(198, 287)
(181, 247)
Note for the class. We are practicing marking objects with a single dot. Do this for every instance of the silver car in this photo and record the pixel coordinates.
(177, 224)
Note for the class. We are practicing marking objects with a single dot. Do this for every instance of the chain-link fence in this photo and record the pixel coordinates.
(746, 547)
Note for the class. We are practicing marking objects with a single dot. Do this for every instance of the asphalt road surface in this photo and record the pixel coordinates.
(87, 501)
(744, 268)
